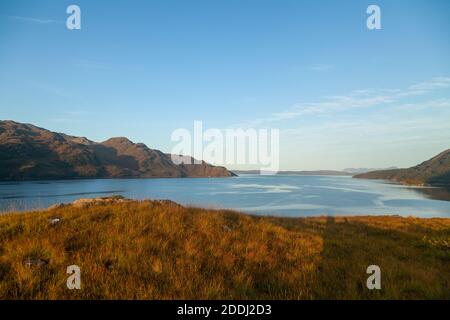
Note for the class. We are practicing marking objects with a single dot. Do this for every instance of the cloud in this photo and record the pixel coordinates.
(356, 99)
(62, 120)
(92, 65)
(383, 136)
(437, 103)
(376, 126)
(322, 68)
(33, 20)
(79, 112)
(71, 116)
(367, 98)
(434, 84)
(406, 122)
(244, 100)
(50, 89)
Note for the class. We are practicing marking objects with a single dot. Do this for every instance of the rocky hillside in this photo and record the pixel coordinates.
(435, 172)
(28, 152)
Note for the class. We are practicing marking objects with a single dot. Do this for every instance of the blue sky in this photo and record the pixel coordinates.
(341, 95)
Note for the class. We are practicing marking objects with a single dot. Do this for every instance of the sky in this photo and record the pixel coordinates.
(341, 95)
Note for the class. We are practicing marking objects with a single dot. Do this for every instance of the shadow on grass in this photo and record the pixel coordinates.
(409, 268)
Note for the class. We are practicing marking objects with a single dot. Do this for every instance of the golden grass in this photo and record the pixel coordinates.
(159, 250)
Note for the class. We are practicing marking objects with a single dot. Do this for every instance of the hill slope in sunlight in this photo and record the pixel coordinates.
(28, 152)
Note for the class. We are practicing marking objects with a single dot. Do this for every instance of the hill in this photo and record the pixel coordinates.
(28, 152)
(160, 250)
(433, 172)
(354, 171)
(299, 173)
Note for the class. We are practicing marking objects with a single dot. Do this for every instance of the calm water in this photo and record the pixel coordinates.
(276, 195)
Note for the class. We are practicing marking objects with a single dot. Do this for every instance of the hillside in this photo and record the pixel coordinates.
(299, 173)
(28, 152)
(433, 172)
(161, 250)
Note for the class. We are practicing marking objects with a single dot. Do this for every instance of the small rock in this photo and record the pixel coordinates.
(226, 228)
(30, 262)
(166, 202)
(55, 221)
(108, 264)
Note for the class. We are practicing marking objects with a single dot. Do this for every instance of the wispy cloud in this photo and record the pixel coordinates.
(71, 116)
(51, 89)
(79, 112)
(92, 65)
(436, 103)
(95, 65)
(425, 87)
(62, 120)
(378, 126)
(244, 100)
(322, 68)
(357, 99)
(34, 20)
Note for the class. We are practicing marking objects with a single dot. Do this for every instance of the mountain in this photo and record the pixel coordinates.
(299, 173)
(28, 152)
(434, 172)
(354, 171)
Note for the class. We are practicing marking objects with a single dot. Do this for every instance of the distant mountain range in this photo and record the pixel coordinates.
(364, 170)
(433, 172)
(345, 172)
(300, 173)
(28, 152)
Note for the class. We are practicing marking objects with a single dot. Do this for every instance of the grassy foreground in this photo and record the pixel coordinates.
(160, 250)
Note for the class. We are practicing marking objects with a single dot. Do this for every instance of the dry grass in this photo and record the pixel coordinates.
(157, 250)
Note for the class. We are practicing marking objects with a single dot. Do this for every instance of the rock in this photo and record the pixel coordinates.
(166, 202)
(84, 202)
(109, 264)
(226, 228)
(30, 262)
(55, 220)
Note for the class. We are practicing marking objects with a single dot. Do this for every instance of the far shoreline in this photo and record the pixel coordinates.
(84, 203)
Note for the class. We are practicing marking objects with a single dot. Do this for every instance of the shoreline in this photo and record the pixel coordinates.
(111, 200)
(117, 199)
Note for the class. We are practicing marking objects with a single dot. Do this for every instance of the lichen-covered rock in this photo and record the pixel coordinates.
(83, 202)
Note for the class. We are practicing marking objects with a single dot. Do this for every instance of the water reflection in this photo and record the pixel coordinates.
(442, 194)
